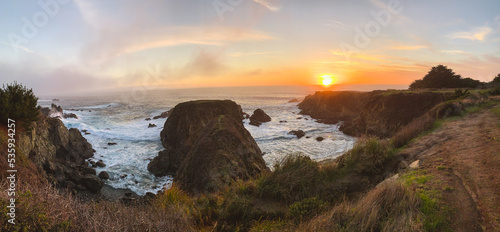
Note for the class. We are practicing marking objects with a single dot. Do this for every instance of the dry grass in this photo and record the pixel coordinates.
(41, 207)
(412, 130)
(389, 207)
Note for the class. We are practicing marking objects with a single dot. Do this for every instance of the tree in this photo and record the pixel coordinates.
(18, 103)
(497, 79)
(443, 77)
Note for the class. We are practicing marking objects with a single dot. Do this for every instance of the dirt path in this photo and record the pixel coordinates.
(463, 156)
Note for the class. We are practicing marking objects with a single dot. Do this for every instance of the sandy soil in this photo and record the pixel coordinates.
(463, 156)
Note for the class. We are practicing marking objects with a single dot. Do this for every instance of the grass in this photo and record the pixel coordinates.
(432, 206)
(43, 208)
(390, 207)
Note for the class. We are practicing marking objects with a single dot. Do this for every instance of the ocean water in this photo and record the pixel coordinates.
(120, 118)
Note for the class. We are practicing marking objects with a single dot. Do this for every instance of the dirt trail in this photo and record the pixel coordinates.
(463, 156)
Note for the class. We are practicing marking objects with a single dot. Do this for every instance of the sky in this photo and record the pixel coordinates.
(69, 46)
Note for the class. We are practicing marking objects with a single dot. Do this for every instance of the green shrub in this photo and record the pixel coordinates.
(369, 156)
(18, 103)
(293, 179)
(495, 91)
(307, 208)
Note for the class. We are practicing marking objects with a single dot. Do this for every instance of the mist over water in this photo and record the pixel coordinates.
(120, 118)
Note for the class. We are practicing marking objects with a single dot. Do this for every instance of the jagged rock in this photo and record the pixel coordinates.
(294, 100)
(225, 151)
(319, 139)
(283, 121)
(79, 144)
(163, 115)
(298, 133)
(258, 117)
(182, 128)
(151, 125)
(148, 119)
(70, 115)
(92, 183)
(59, 153)
(111, 144)
(246, 116)
(100, 164)
(104, 175)
(53, 111)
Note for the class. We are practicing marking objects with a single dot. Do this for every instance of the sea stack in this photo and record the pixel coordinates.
(202, 138)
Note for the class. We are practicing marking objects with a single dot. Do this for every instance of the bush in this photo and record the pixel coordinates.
(18, 103)
(293, 179)
(369, 156)
(495, 91)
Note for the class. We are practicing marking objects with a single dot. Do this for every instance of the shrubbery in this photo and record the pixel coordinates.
(18, 103)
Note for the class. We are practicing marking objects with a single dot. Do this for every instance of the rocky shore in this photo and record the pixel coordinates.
(60, 155)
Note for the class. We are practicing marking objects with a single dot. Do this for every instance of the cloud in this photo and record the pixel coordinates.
(479, 34)
(241, 54)
(406, 47)
(113, 44)
(271, 5)
(454, 51)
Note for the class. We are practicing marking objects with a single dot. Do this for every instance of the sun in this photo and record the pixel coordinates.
(326, 80)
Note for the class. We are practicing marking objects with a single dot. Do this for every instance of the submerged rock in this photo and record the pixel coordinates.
(163, 115)
(151, 125)
(258, 117)
(298, 133)
(70, 115)
(294, 100)
(319, 139)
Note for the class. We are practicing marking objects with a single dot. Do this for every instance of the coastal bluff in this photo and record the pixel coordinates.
(207, 146)
(60, 154)
(377, 113)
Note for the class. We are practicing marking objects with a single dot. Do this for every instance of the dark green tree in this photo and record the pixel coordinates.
(497, 79)
(18, 103)
(443, 77)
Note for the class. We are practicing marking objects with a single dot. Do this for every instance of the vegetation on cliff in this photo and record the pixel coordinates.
(18, 103)
(443, 77)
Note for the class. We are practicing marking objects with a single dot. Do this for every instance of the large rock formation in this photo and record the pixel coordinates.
(258, 117)
(376, 113)
(60, 154)
(182, 129)
(225, 151)
(331, 107)
(207, 146)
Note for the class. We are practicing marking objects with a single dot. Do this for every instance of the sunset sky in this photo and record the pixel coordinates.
(66, 46)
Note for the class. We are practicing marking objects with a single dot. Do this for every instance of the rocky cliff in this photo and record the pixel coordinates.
(378, 113)
(207, 147)
(60, 154)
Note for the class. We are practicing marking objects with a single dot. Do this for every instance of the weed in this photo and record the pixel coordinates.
(306, 208)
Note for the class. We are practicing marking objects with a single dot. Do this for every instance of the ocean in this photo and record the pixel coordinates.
(120, 118)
